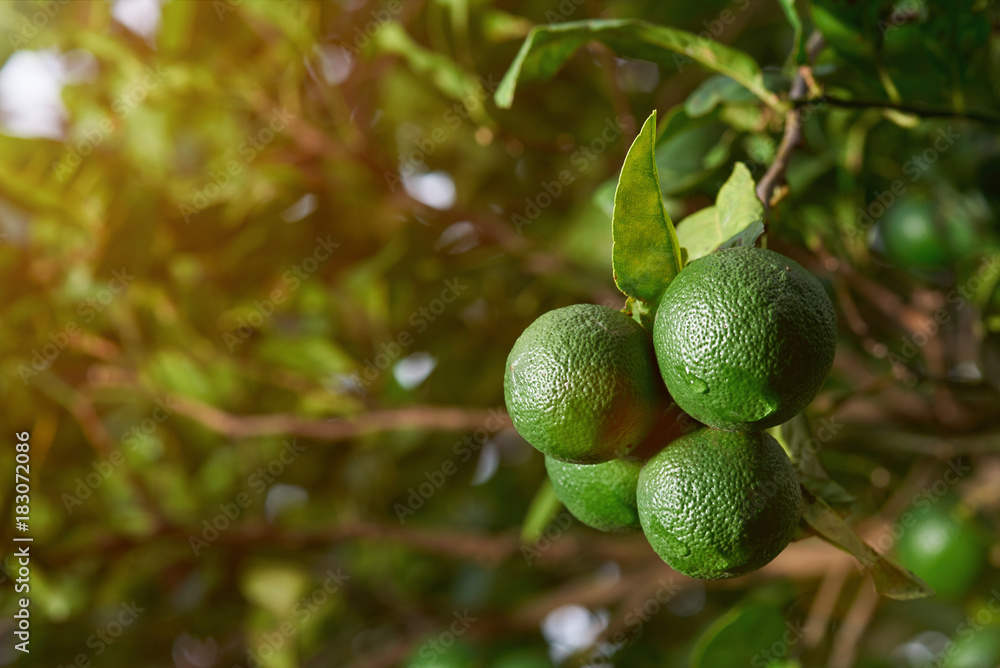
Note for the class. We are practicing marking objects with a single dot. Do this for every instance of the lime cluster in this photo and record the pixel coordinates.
(743, 339)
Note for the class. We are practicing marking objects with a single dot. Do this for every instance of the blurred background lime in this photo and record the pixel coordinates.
(944, 547)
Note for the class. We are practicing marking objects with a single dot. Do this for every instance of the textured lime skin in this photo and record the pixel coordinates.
(941, 548)
(719, 504)
(601, 496)
(744, 338)
(581, 384)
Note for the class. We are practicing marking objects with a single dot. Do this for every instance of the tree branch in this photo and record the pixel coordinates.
(775, 174)
(919, 110)
(444, 418)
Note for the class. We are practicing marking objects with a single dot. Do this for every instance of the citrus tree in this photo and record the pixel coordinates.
(291, 289)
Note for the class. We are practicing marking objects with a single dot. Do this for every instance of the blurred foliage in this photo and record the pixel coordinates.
(261, 275)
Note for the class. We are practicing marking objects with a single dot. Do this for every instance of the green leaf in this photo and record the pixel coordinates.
(712, 92)
(737, 219)
(543, 508)
(741, 214)
(891, 579)
(677, 121)
(697, 233)
(799, 55)
(548, 47)
(739, 636)
(692, 156)
(645, 254)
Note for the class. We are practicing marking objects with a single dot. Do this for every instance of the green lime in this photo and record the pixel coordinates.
(941, 547)
(911, 235)
(719, 504)
(581, 384)
(744, 338)
(601, 496)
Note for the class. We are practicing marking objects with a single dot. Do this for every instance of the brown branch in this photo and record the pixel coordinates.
(845, 644)
(444, 418)
(823, 605)
(924, 112)
(94, 431)
(775, 174)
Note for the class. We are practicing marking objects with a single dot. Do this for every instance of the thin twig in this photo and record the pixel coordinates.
(824, 604)
(94, 431)
(919, 110)
(845, 644)
(444, 418)
(775, 174)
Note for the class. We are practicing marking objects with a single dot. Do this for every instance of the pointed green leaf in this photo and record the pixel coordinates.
(891, 579)
(737, 218)
(548, 47)
(741, 214)
(645, 255)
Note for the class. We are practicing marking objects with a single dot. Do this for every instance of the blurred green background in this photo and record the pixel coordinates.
(262, 263)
